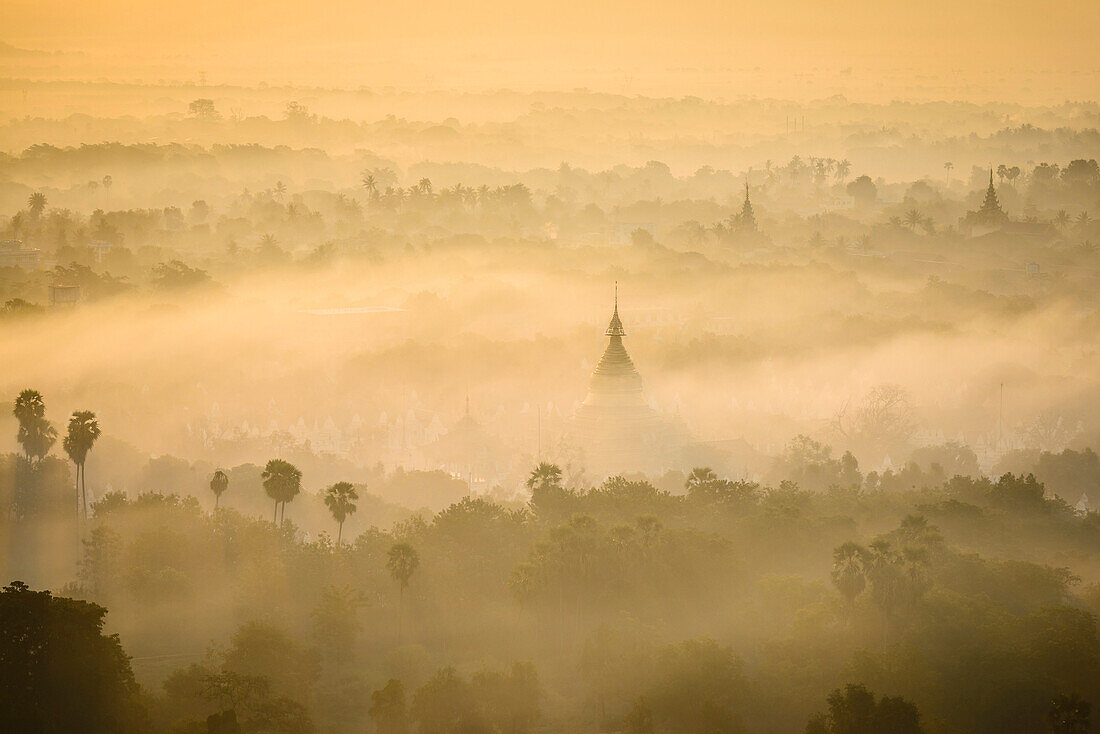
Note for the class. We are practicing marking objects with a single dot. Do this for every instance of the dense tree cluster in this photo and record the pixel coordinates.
(725, 606)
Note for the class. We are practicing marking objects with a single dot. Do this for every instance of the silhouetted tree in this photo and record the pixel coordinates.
(218, 484)
(282, 481)
(340, 500)
(58, 671)
(35, 435)
(370, 185)
(863, 191)
(402, 562)
(37, 202)
(388, 709)
(913, 218)
(82, 434)
(849, 573)
(548, 497)
(855, 711)
(204, 110)
(445, 705)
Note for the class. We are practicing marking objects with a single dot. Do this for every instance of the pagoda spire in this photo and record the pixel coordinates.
(748, 216)
(615, 328)
(991, 210)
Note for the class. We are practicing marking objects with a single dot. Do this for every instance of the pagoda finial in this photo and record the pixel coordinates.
(616, 296)
(746, 190)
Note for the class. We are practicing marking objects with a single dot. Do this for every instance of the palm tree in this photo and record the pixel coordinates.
(35, 435)
(1083, 220)
(947, 167)
(700, 476)
(82, 435)
(218, 484)
(402, 564)
(36, 202)
(107, 182)
(280, 190)
(29, 405)
(371, 185)
(1061, 219)
(849, 571)
(544, 476)
(843, 168)
(282, 483)
(913, 218)
(340, 500)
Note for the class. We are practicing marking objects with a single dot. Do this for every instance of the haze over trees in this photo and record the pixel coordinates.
(375, 284)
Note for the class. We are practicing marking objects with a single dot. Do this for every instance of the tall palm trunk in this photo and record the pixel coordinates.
(339, 533)
(400, 613)
(84, 490)
(275, 515)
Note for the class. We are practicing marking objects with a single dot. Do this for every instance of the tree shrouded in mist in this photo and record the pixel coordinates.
(36, 202)
(340, 500)
(219, 482)
(81, 436)
(388, 708)
(863, 191)
(548, 496)
(855, 711)
(204, 109)
(849, 572)
(36, 435)
(402, 562)
(282, 482)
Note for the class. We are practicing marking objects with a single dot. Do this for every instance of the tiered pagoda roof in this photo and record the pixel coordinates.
(617, 429)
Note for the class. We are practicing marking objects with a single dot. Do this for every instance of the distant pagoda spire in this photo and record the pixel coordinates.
(748, 217)
(991, 210)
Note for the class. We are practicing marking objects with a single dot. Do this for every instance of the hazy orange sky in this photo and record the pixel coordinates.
(946, 37)
(1060, 32)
